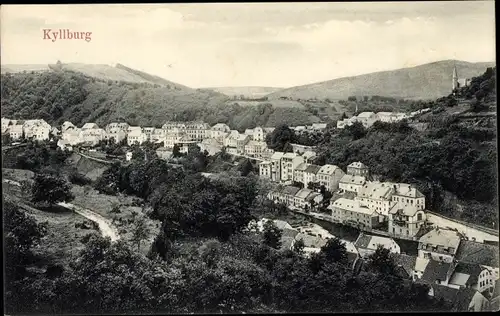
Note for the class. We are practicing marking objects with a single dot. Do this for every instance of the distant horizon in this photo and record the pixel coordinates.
(250, 86)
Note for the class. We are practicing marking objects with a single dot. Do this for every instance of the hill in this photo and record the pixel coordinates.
(12, 68)
(102, 94)
(247, 92)
(428, 81)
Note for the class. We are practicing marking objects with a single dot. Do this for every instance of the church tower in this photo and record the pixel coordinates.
(455, 78)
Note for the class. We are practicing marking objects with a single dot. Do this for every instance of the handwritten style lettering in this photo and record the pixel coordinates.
(66, 34)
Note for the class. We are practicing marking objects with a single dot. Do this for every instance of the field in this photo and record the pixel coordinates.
(62, 238)
(102, 204)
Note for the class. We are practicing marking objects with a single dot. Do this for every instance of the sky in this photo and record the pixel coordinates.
(253, 44)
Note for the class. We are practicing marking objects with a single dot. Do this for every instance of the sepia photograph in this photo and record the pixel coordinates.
(245, 158)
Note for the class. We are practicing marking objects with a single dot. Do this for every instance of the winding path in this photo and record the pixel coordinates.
(107, 229)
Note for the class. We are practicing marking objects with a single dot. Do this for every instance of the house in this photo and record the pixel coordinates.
(72, 135)
(116, 133)
(211, 146)
(219, 131)
(89, 126)
(312, 244)
(259, 135)
(285, 195)
(439, 245)
(298, 173)
(436, 272)
(231, 139)
(172, 137)
(265, 169)
(255, 148)
(474, 276)
(289, 162)
(121, 126)
(309, 156)
(282, 225)
(128, 155)
(163, 153)
(351, 212)
(366, 118)
(241, 141)
(329, 176)
(406, 220)
(41, 133)
(185, 143)
(55, 131)
(486, 255)
(386, 117)
(158, 135)
(310, 174)
(350, 183)
(36, 129)
(406, 194)
(420, 265)
(276, 165)
(318, 126)
(300, 198)
(64, 145)
(376, 196)
(314, 199)
(358, 169)
(470, 300)
(148, 131)
(495, 297)
(136, 136)
(345, 122)
(5, 122)
(366, 245)
(92, 135)
(406, 264)
(287, 243)
(197, 130)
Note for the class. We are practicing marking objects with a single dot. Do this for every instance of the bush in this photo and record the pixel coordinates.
(79, 179)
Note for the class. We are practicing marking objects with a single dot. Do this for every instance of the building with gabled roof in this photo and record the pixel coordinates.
(358, 168)
(376, 196)
(352, 213)
(329, 176)
(350, 183)
(439, 245)
(367, 244)
(405, 221)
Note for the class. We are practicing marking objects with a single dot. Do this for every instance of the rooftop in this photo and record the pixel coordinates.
(375, 190)
(277, 155)
(328, 169)
(372, 242)
(312, 169)
(441, 237)
(366, 114)
(290, 155)
(407, 190)
(302, 167)
(357, 164)
(290, 190)
(350, 179)
(311, 241)
(435, 270)
(302, 194)
(479, 253)
(406, 210)
(407, 262)
(351, 205)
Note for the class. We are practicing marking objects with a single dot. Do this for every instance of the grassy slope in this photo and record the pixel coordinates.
(427, 81)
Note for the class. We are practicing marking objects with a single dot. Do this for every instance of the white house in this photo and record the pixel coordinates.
(329, 176)
(406, 220)
(368, 244)
(357, 169)
(289, 162)
(439, 245)
(136, 136)
(350, 183)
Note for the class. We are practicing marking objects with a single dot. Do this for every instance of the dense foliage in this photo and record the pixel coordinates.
(35, 156)
(59, 96)
(50, 189)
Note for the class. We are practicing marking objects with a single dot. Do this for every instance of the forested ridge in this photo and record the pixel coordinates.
(58, 96)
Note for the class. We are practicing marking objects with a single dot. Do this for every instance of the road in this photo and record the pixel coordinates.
(470, 232)
(107, 229)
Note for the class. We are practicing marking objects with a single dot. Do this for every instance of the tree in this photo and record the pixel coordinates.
(280, 138)
(246, 167)
(272, 235)
(335, 250)
(50, 189)
(176, 152)
(140, 230)
(381, 261)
